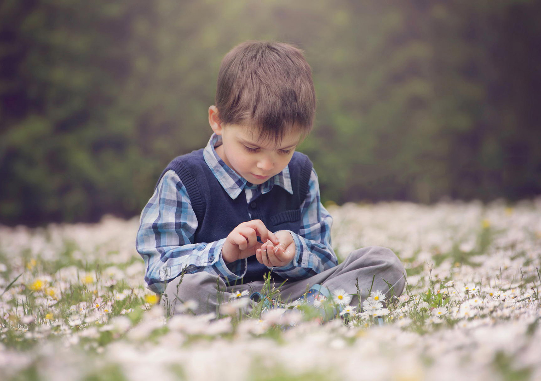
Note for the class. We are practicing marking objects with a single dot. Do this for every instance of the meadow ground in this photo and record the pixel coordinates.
(73, 306)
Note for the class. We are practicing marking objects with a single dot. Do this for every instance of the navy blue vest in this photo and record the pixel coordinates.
(218, 214)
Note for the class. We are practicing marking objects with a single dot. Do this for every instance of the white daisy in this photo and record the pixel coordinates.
(341, 297)
(439, 311)
(348, 310)
(377, 296)
(238, 294)
(371, 305)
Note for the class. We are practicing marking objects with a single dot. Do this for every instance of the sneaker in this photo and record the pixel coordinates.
(316, 293)
(268, 303)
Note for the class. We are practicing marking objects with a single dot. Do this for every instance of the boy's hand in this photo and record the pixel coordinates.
(272, 255)
(242, 241)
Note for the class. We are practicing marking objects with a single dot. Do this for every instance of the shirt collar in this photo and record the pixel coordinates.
(231, 181)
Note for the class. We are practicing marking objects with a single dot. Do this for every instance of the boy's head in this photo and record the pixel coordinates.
(268, 87)
(265, 105)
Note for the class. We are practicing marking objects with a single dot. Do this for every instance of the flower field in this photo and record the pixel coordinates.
(73, 306)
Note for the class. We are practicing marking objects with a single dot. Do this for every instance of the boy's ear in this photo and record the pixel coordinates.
(214, 120)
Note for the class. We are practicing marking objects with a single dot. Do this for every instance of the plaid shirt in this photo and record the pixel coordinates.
(168, 224)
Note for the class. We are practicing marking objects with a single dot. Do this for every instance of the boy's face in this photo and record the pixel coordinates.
(253, 159)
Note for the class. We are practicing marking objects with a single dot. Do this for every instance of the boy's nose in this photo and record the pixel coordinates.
(265, 164)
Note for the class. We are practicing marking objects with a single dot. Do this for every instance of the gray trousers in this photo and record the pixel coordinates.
(374, 267)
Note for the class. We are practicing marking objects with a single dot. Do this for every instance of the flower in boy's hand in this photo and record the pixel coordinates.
(277, 255)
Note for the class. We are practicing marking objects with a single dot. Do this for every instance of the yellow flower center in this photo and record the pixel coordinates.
(88, 279)
(49, 316)
(376, 297)
(37, 285)
(151, 299)
(30, 265)
(340, 297)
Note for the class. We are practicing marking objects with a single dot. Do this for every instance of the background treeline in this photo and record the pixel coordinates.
(418, 100)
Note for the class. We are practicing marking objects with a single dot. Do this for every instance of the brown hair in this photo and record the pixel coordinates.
(267, 85)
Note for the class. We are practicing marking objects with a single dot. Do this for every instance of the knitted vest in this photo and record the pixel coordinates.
(217, 214)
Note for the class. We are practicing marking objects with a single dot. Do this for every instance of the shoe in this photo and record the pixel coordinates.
(268, 303)
(317, 290)
(316, 293)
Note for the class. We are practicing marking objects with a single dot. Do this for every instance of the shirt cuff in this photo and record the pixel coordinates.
(229, 271)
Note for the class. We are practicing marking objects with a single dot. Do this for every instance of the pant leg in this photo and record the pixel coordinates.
(208, 290)
(372, 266)
(377, 263)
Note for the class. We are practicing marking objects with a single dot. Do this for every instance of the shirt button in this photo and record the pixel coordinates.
(253, 204)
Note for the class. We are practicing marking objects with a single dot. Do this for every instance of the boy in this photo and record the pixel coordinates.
(248, 204)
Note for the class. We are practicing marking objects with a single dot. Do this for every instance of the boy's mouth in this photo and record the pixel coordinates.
(260, 177)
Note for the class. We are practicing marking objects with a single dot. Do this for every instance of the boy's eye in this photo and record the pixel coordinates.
(285, 151)
(250, 149)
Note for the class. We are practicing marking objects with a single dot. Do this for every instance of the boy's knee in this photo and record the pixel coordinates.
(200, 287)
(391, 268)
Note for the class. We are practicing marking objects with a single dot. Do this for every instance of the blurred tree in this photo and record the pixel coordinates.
(417, 100)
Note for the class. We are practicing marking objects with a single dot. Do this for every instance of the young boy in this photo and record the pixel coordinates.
(248, 204)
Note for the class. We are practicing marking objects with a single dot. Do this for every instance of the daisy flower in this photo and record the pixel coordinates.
(348, 310)
(318, 301)
(439, 311)
(341, 297)
(471, 288)
(371, 305)
(377, 296)
(238, 294)
(380, 312)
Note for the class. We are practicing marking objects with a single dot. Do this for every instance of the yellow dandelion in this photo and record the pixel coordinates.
(30, 265)
(88, 279)
(50, 292)
(38, 285)
(49, 316)
(151, 299)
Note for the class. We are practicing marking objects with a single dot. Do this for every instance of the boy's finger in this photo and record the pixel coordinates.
(264, 257)
(279, 253)
(275, 259)
(262, 231)
(249, 234)
(239, 240)
(273, 238)
(272, 258)
(258, 256)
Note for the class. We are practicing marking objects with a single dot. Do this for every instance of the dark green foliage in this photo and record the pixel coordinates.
(417, 100)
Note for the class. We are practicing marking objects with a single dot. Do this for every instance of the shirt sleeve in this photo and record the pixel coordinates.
(314, 252)
(166, 235)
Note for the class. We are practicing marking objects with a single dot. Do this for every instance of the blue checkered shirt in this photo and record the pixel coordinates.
(171, 209)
